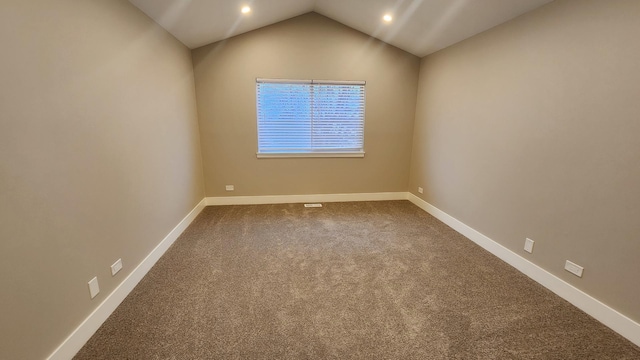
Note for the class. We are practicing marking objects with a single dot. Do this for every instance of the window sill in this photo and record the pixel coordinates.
(312, 155)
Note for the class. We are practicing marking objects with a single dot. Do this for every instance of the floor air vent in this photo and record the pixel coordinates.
(312, 205)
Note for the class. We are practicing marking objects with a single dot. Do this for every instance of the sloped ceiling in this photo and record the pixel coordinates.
(420, 27)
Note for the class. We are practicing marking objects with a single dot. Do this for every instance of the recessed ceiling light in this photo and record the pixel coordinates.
(387, 18)
(246, 10)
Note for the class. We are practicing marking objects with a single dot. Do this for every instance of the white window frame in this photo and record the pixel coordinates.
(356, 153)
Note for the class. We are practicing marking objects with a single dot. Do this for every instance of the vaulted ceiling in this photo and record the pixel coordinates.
(419, 27)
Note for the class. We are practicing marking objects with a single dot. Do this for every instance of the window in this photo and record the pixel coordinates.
(310, 118)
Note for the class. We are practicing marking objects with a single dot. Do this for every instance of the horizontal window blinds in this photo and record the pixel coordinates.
(310, 116)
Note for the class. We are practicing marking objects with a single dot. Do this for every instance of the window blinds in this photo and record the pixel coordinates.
(310, 116)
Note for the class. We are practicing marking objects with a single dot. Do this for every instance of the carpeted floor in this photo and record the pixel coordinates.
(369, 280)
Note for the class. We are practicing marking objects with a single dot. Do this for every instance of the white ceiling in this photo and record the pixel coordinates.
(420, 27)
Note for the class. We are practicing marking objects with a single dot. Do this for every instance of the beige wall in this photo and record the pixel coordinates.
(307, 47)
(99, 158)
(532, 130)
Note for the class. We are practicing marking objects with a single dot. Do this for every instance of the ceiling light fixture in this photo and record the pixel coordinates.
(387, 18)
(246, 10)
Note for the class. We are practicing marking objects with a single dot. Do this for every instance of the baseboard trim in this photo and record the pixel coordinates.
(585, 302)
(595, 308)
(72, 344)
(291, 199)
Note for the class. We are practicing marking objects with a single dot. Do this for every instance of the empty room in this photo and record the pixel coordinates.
(319, 179)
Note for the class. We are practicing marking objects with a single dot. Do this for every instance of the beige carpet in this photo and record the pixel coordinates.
(372, 280)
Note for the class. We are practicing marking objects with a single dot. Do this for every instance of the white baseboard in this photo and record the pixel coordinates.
(72, 344)
(598, 310)
(291, 199)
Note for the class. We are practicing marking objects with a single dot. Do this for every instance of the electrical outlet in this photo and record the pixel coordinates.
(313, 205)
(420, 190)
(573, 268)
(528, 245)
(229, 187)
(94, 288)
(116, 267)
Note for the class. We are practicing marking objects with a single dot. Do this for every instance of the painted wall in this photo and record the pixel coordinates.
(307, 47)
(531, 129)
(99, 158)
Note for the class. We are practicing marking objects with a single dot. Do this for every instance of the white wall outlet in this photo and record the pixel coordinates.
(573, 268)
(229, 187)
(313, 205)
(116, 267)
(528, 245)
(420, 190)
(94, 288)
